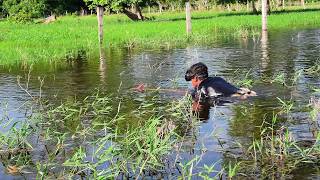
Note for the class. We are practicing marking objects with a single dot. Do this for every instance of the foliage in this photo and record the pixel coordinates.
(62, 6)
(93, 3)
(2, 12)
(24, 10)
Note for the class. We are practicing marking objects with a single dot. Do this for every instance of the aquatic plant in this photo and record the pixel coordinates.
(315, 108)
(246, 80)
(101, 149)
(279, 78)
(296, 76)
(276, 154)
(96, 138)
(286, 106)
(208, 170)
(313, 70)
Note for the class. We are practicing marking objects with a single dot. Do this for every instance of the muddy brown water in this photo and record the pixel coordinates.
(284, 52)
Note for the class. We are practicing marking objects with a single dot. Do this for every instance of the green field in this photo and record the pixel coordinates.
(26, 43)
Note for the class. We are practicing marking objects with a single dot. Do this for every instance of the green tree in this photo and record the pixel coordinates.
(132, 8)
(24, 10)
(59, 7)
(2, 13)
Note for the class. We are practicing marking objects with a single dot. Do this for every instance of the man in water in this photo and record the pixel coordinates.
(208, 91)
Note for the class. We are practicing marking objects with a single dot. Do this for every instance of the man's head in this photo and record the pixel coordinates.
(196, 73)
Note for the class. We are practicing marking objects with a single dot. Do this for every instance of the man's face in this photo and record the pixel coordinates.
(195, 82)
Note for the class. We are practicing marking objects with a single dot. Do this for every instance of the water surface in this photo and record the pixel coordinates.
(283, 52)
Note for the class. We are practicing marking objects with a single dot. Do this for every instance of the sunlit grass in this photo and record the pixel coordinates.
(25, 43)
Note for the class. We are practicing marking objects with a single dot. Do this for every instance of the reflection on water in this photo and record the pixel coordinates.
(102, 66)
(264, 50)
(117, 70)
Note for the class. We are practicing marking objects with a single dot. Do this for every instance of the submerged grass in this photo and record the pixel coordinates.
(25, 43)
(94, 138)
(79, 139)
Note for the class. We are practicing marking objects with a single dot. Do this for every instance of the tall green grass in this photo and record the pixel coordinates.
(25, 43)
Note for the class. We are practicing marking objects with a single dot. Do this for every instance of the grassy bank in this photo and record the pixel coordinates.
(20, 43)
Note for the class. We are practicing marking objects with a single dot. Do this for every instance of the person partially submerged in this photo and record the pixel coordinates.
(212, 89)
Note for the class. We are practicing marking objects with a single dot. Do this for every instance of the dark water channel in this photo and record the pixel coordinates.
(283, 53)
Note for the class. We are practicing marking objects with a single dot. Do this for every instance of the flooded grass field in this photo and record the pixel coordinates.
(82, 120)
(48, 44)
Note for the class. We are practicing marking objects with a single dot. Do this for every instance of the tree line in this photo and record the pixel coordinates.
(27, 10)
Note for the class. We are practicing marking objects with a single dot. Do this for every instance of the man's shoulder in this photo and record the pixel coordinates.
(217, 78)
(213, 79)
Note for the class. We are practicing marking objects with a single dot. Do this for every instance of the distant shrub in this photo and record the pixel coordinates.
(24, 10)
(2, 12)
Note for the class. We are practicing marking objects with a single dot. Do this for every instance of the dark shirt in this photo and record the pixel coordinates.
(212, 89)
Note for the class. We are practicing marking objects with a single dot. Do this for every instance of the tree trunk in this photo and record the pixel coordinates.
(160, 6)
(172, 6)
(237, 6)
(254, 9)
(268, 7)
(83, 12)
(188, 18)
(138, 12)
(228, 7)
(302, 3)
(264, 14)
(100, 23)
(136, 15)
(258, 5)
(248, 6)
(283, 5)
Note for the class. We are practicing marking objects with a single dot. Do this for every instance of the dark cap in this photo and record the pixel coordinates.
(199, 69)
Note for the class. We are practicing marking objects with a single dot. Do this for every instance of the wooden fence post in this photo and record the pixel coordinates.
(188, 17)
(100, 12)
(264, 15)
